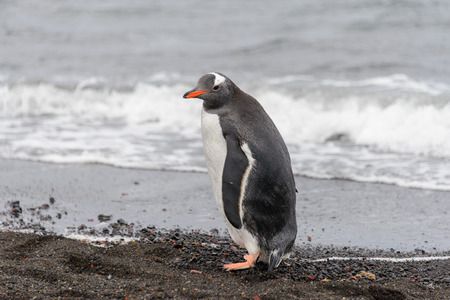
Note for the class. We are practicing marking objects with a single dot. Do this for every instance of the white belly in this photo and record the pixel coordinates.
(215, 148)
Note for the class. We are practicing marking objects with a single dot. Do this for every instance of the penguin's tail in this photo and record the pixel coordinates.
(275, 258)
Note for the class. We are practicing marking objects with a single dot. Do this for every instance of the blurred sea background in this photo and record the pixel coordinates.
(359, 89)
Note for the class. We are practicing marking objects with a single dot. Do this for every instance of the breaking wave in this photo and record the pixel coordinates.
(389, 129)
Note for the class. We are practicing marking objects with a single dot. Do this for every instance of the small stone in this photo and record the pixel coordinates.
(52, 200)
(312, 277)
(44, 206)
(104, 218)
(16, 210)
(121, 222)
(45, 217)
(367, 275)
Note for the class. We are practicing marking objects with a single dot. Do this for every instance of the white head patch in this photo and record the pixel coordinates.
(218, 79)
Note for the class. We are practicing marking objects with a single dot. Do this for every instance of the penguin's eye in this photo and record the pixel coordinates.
(216, 87)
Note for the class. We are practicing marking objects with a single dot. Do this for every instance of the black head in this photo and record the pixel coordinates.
(214, 89)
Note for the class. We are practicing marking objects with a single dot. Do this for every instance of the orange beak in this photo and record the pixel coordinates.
(194, 94)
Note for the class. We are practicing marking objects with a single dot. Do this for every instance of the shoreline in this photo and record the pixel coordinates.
(310, 253)
(330, 212)
(204, 171)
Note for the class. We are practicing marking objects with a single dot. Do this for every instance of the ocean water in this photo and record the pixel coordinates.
(359, 89)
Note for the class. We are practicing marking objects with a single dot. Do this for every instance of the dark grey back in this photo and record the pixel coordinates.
(271, 192)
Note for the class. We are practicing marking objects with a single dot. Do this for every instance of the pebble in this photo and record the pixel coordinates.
(45, 217)
(15, 209)
(44, 206)
(121, 222)
(104, 218)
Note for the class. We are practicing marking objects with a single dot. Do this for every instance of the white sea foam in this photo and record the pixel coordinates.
(396, 81)
(97, 241)
(385, 259)
(400, 137)
(401, 126)
(101, 241)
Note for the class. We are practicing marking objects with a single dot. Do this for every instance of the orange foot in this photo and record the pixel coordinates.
(250, 261)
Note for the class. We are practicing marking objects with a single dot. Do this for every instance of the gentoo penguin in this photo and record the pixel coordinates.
(250, 169)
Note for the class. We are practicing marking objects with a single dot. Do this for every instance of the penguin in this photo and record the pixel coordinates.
(250, 170)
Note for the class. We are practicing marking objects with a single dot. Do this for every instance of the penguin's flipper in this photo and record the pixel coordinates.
(235, 166)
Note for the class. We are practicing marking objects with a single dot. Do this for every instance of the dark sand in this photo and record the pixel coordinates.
(178, 265)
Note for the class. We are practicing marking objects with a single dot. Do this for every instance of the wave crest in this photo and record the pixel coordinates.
(333, 128)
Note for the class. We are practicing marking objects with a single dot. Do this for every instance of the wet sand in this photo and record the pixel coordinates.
(330, 212)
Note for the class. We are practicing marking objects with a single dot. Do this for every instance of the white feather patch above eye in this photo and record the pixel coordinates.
(218, 79)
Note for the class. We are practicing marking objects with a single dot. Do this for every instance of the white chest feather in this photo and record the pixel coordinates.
(215, 148)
